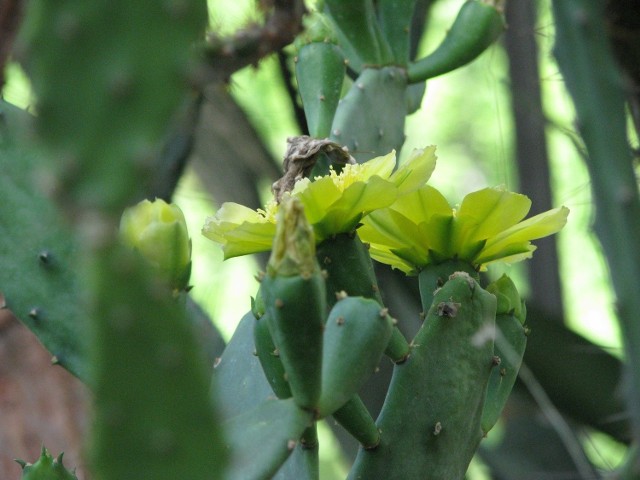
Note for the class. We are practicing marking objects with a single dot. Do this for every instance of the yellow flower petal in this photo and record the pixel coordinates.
(380, 166)
(420, 205)
(317, 197)
(248, 238)
(485, 213)
(539, 226)
(416, 170)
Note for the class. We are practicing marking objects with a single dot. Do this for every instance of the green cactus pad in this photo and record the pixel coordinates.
(295, 310)
(368, 120)
(239, 383)
(109, 75)
(348, 267)
(476, 27)
(37, 254)
(510, 344)
(430, 421)
(261, 440)
(434, 276)
(356, 335)
(153, 414)
(320, 70)
(269, 357)
(46, 468)
(395, 23)
(358, 32)
(302, 464)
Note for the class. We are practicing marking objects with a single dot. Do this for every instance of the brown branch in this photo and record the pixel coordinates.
(10, 15)
(227, 55)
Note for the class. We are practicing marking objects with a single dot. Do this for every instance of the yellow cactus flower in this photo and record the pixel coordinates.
(158, 230)
(421, 228)
(333, 204)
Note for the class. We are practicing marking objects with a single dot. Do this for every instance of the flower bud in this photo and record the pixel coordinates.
(294, 248)
(159, 232)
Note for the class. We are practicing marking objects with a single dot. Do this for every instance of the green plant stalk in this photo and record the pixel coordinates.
(476, 27)
(356, 419)
(433, 431)
(587, 64)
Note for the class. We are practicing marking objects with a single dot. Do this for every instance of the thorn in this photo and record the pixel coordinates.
(503, 372)
(34, 313)
(22, 463)
(216, 362)
(496, 360)
(55, 360)
(341, 295)
(45, 257)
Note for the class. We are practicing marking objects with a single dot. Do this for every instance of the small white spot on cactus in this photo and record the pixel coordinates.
(276, 353)
(360, 86)
(45, 257)
(34, 313)
(384, 312)
(55, 360)
(380, 133)
(291, 444)
(216, 362)
(496, 360)
(337, 132)
(322, 98)
(340, 320)
(437, 428)
(341, 295)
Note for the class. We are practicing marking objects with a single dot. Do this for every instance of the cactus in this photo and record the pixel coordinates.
(447, 372)
(46, 468)
(38, 279)
(294, 296)
(318, 327)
